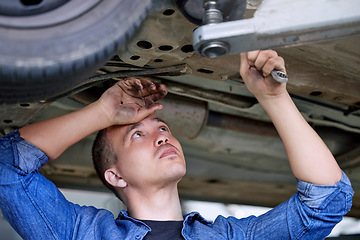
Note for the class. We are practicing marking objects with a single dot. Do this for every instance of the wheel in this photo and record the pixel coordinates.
(49, 46)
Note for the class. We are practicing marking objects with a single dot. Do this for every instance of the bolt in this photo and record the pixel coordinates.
(212, 13)
(224, 77)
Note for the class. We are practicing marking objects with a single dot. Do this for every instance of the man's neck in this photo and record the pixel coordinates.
(161, 205)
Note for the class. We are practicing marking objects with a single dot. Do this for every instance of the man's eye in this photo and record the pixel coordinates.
(163, 129)
(136, 135)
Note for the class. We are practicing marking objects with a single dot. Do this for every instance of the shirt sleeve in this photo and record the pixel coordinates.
(32, 204)
(309, 214)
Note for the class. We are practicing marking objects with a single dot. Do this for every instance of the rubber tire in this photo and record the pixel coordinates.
(38, 63)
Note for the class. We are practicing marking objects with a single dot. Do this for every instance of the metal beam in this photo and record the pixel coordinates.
(280, 23)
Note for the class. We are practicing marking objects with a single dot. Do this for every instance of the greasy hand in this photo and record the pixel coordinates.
(131, 100)
(255, 70)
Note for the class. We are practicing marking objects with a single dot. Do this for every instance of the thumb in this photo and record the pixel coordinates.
(155, 106)
(146, 111)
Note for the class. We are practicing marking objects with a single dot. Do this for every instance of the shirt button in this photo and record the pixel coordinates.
(137, 236)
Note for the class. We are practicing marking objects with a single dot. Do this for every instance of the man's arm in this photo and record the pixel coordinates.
(310, 159)
(127, 102)
(32, 204)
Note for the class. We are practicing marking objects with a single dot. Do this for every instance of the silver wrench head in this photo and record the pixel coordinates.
(279, 76)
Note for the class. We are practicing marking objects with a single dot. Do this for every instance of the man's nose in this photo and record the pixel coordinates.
(162, 139)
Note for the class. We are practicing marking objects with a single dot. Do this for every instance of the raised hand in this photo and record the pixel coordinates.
(255, 69)
(126, 102)
(131, 100)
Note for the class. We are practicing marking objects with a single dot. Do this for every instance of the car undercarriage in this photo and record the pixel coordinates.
(233, 152)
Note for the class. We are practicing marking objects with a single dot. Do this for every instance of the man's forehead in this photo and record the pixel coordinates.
(152, 118)
(124, 129)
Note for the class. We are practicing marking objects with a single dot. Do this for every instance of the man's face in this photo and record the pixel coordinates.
(148, 155)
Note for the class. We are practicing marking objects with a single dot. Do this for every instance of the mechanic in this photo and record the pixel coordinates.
(138, 158)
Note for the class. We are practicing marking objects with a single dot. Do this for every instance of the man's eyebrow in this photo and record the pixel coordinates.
(129, 129)
(160, 120)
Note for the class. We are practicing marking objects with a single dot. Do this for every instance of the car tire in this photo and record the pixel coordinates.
(45, 54)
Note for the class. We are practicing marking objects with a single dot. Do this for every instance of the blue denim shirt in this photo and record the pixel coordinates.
(37, 210)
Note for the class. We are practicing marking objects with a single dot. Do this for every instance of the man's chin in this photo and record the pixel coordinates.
(175, 175)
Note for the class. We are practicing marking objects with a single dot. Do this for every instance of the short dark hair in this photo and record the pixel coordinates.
(104, 157)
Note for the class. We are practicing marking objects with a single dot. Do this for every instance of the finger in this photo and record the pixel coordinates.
(160, 93)
(149, 85)
(126, 84)
(154, 107)
(153, 98)
(269, 65)
(133, 83)
(130, 85)
(252, 56)
(280, 65)
(244, 65)
(157, 93)
(146, 111)
(273, 63)
(161, 88)
(263, 57)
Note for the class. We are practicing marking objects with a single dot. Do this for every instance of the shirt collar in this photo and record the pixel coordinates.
(189, 218)
(195, 216)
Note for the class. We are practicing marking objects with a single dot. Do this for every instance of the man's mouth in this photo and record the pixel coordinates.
(169, 150)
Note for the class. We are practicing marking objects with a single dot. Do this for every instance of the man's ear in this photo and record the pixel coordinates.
(113, 178)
